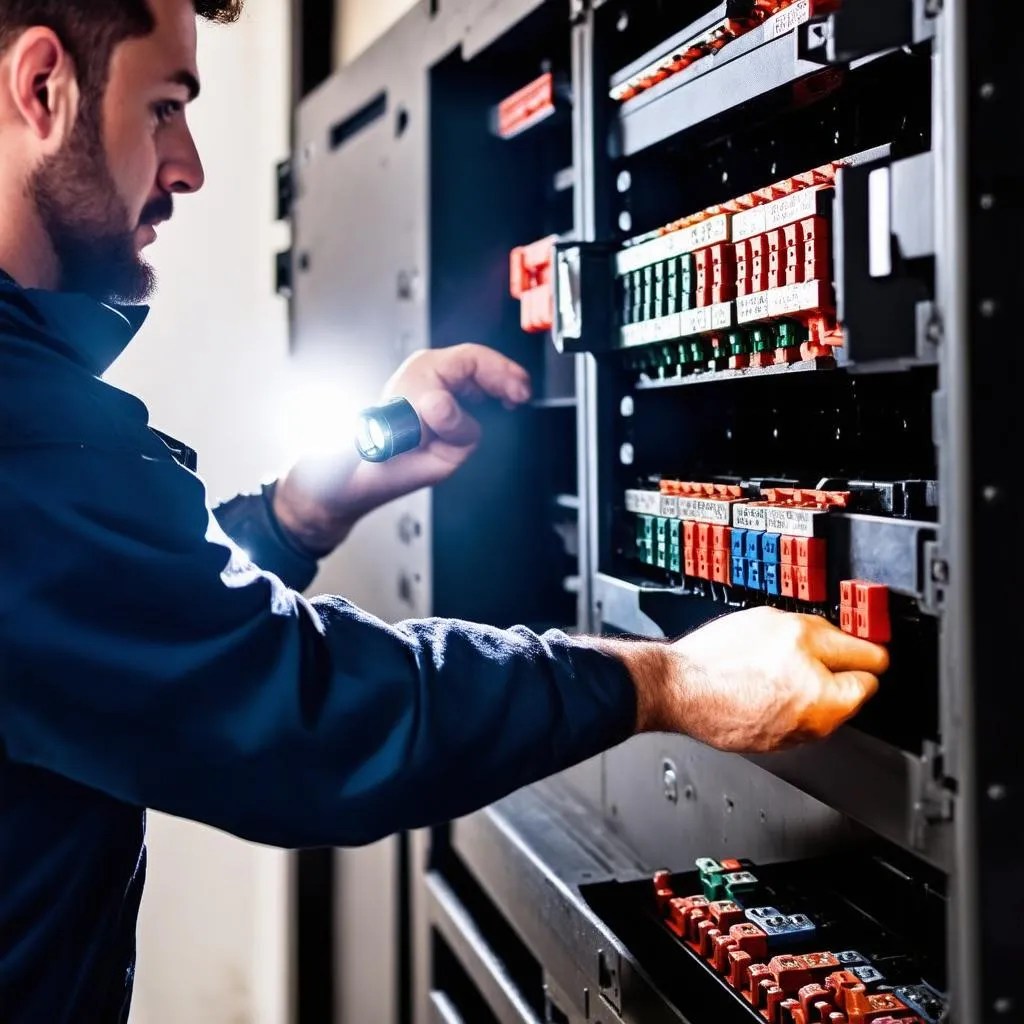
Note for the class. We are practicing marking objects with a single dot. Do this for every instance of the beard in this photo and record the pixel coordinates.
(88, 223)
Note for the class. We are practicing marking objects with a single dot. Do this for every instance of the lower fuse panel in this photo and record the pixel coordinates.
(838, 941)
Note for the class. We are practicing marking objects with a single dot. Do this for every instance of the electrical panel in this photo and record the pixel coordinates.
(759, 257)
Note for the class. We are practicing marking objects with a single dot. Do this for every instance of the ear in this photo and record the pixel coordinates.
(44, 85)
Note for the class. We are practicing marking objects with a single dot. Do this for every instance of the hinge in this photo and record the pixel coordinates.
(285, 189)
(931, 796)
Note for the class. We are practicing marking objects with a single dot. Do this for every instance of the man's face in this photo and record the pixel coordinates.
(102, 196)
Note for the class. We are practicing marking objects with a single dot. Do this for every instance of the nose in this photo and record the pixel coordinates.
(181, 170)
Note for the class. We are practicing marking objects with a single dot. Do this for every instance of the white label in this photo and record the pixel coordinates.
(787, 20)
(794, 298)
(650, 502)
(662, 328)
(695, 321)
(749, 223)
(796, 522)
(632, 501)
(752, 307)
(749, 517)
(721, 316)
(776, 214)
(698, 236)
(669, 507)
(704, 510)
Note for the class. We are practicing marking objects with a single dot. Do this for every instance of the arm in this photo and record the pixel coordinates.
(138, 661)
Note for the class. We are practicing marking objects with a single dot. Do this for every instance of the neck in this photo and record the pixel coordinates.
(25, 250)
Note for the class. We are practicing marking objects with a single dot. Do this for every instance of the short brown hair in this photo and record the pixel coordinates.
(90, 29)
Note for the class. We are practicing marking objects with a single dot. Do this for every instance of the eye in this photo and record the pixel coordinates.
(166, 109)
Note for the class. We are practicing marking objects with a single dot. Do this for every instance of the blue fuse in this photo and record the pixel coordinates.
(739, 572)
(868, 975)
(739, 544)
(850, 957)
(771, 548)
(754, 575)
(771, 578)
(755, 545)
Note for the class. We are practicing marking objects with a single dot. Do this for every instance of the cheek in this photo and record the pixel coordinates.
(132, 159)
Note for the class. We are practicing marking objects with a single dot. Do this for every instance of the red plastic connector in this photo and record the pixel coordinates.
(527, 107)
(864, 610)
(530, 281)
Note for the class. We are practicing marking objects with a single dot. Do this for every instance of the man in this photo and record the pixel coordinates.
(144, 662)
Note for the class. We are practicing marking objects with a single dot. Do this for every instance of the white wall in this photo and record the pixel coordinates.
(213, 939)
(359, 22)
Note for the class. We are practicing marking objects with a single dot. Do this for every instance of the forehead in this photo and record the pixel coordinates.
(171, 47)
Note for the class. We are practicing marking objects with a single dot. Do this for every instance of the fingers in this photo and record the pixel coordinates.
(841, 652)
(465, 369)
(850, 692)
(443, 417)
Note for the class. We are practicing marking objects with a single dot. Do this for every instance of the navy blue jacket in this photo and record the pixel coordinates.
(145, 662)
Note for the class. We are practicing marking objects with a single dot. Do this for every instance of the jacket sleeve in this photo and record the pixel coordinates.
(250, 522)
(142, 655)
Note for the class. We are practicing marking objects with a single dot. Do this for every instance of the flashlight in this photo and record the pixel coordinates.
(385, 431)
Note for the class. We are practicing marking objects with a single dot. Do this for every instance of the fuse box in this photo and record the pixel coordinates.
(760, 257)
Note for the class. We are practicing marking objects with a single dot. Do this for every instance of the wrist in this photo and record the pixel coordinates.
(651, 668)
(316, 526)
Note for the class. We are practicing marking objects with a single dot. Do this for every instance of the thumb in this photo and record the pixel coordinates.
(443, 417)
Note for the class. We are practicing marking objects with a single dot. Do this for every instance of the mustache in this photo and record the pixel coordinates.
(161, 208)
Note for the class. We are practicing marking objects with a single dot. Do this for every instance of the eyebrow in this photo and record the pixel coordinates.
(187, 79)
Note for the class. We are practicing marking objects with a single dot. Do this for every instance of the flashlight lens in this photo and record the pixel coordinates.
(388, 430)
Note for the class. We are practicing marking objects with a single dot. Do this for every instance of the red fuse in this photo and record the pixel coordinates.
(795, 257)
(705, 538)
(720, 948)
(759, 263)
(787, 580)
(846, 592)
(721, 566)
(723, 266)
(690, 563)
(810, 584)
(729, 865)
(755, 975)
(743, 258)
(720, 540)
(787, 550)
(704, 278)
(776, 258)
(704, 565)
(689, 536)
(751, 939)
(707, 932)
(739, 966)
(810, 552)
(726, 913)
(662, 880)
(815, 246)
(871, 612)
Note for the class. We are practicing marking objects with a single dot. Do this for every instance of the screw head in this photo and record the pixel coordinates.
(626, 406)
(625, 221)
(1003, 1005)
(990, 493)
(987, 90)
(624, 181)
(997, 791)
(986, 202)
(623, 23)
(626, 454)
(987, 308)
(669, 782)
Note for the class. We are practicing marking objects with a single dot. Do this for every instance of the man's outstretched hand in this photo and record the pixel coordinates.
(755, 681)
(320, 500)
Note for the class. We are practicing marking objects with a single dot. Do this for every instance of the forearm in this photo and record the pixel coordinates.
(655, 674)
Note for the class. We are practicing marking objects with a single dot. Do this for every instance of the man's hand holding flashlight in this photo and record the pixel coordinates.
(320, 501)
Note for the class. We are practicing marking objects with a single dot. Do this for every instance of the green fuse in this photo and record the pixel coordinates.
(738, 344)
(711, 877)
(673, 546)
(790, 335)
(662, 550)
(761, 339)
(740, 884)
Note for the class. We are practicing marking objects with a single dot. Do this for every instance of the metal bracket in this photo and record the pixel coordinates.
(932, 799)
(936, 573)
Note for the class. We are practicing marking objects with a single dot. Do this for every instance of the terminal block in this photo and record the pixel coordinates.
(713, 33)
(772, 959)
(864, 610)
(530, 281)
(740, 285)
